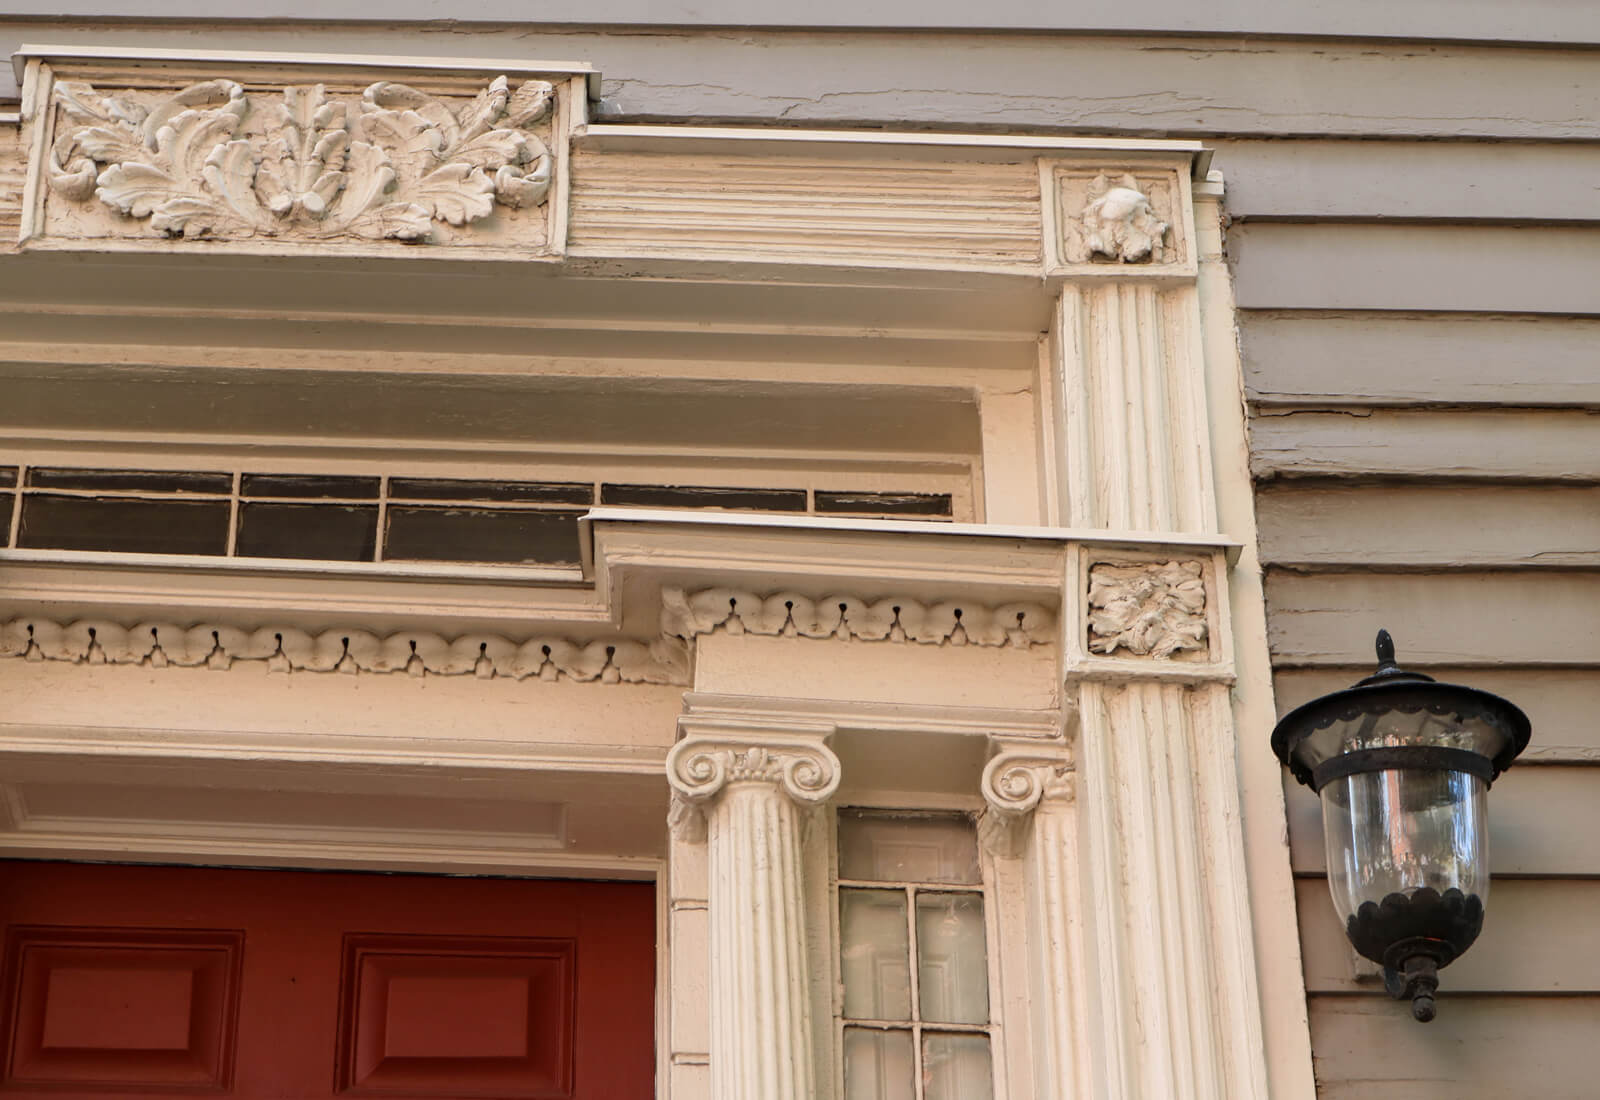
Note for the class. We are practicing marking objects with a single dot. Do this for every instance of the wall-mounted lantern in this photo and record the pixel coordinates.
(1403, 765)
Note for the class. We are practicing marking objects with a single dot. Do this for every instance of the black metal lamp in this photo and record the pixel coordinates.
(1403, 765)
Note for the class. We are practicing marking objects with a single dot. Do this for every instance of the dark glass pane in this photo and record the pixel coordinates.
(124, 525)
(151, 481)
(326, 532)
(885, 504)
(695, 496)
(300, 485)
(8, 476)
(520, 492)
(478, 534)
(7, 502)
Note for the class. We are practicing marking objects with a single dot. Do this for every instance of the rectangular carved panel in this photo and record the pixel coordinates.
(477, 1016)
(134, 1010)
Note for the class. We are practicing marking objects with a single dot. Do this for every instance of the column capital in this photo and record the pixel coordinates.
(1021, 776)
(793, 758)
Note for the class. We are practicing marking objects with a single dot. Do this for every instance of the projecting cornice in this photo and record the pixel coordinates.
(265, 154)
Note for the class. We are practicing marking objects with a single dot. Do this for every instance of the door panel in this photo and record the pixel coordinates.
(174, 981)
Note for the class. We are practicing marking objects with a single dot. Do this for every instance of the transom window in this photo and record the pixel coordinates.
(367, 517)
(913, 958)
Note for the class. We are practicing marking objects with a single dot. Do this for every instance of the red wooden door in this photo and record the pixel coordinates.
(174, 981)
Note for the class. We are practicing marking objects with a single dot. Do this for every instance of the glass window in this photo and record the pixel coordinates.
(913, 958)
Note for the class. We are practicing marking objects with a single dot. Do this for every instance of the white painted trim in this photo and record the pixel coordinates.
(142, 55)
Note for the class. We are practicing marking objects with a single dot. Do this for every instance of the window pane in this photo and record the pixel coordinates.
(152, 481)
(884, 504)
(875, 847)
(481, 534)
(304, 485)
(520, 492)
(878, 1065)
(956, 1067)
(704, 496)
(874, 954)
(328, 532)
(124, 525)
(952, 965)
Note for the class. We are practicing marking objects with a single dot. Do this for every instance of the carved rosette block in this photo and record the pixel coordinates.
(1154, 610)
(342, 161)
(1123, 219)
(753, 791)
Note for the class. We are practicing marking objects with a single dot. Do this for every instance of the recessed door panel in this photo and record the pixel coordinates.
(165, 981)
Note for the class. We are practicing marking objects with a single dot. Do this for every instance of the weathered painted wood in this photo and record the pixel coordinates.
(1460, 617)
(1485, 1048)
(1542, 821)
(1538, 937)
(1503, 443)
(1086, 83)
(1561, 703)
(1415, 180)
(1428, 525)
(1536, 21)
(1406, 266)
(13, 166)
(1404, 359)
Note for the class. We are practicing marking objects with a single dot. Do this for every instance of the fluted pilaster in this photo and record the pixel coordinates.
(749, 795)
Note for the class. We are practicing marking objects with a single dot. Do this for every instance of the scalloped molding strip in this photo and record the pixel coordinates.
(664, 661)
(893, 618)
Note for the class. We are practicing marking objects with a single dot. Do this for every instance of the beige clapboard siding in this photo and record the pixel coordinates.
(1543, 821)
(846, 209)
(1102, 84)
(1503, 443)
(1413, 180)
(1334, 358)
(1478, 1048)
(1563, 704)
(1538, 937)
(1407, 266)
(1460, 617)
(1428, 526)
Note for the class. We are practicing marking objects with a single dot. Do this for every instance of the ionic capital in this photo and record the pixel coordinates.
(1017, 779)
(800, 766)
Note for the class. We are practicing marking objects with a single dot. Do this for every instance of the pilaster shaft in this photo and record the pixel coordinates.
(1031, 816)
(753, 792)
(1171, 940)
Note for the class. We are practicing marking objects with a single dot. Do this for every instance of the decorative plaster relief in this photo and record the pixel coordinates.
(159, 645)
(1149, 609)
(215, 161)
(893, 618)
(1130, 219)
(1015, 782)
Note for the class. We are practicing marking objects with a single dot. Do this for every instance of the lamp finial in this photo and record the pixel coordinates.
(1385, 649)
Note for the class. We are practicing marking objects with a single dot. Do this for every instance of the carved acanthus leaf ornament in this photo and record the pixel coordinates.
(1119, 223)
(211, 161)
(1150, 609)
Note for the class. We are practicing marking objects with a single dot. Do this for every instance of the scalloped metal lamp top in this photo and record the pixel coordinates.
(1391, 688)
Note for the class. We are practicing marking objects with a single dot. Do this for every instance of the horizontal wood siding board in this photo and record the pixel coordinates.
(1428, 526)
(1521, 445)
(1456, 618)
(1100, 84)
(1538, 937)
(1404, 266)
(1551, 21)
(1561, 703)
(1335, 358)
(1478, 1048)
(1411, 180)
(1542, 822)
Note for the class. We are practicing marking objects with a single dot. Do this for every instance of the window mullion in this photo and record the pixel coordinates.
(916, 991)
